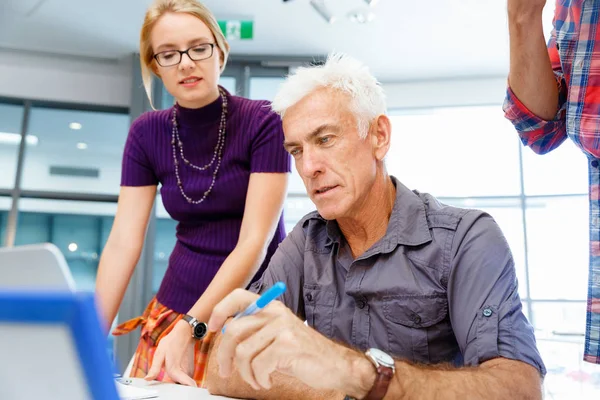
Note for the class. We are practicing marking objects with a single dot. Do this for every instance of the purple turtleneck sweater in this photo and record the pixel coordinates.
(209, 231)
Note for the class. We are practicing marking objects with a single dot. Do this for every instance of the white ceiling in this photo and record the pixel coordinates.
(408, 40)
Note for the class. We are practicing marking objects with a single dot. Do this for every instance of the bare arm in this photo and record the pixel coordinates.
(123, 248)
(531, 76)
(499, 379)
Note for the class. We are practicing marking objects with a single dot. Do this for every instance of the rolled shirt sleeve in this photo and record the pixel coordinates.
(541, 135)
(485, 307)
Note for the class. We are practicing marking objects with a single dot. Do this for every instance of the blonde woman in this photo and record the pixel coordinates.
(223, 171)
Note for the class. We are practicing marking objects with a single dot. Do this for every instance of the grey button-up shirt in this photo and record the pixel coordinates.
(440, 286)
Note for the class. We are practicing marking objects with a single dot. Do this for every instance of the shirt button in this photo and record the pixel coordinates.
(309, 297)
(487, 312)
(416, 319)
(361, 303)
(595, 163)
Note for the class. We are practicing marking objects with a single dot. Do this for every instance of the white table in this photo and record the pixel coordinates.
(172, 391)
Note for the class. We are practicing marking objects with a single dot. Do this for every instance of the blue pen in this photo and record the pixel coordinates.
(271, 294)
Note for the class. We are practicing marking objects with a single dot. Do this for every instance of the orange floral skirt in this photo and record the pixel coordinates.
(156, 322)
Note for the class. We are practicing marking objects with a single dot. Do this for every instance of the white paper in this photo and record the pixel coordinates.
(130, 392)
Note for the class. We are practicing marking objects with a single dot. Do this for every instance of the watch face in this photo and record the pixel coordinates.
(381, 357)
(200, 330)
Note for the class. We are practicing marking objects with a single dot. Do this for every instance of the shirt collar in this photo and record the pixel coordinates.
(407, 225)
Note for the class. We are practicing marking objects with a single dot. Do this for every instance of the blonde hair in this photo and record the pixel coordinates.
(157, 10)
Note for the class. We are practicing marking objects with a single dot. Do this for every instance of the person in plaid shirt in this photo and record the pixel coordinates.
(554, 94)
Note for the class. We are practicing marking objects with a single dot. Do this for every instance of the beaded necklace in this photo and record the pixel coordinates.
(176, 143)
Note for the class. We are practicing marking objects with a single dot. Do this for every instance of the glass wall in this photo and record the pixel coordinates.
(70, 180)
(71, 153)
(5, 203)
(77, 151)
(79, 229)
(11, 117)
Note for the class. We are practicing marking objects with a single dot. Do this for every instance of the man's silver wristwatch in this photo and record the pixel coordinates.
(199, 329)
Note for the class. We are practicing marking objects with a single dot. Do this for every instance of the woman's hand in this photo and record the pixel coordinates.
(176, 352)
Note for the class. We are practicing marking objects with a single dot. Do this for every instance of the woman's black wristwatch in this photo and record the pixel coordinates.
(199, 329)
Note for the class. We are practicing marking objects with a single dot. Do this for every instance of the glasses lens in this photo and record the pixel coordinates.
(201, 52)
(168, 58)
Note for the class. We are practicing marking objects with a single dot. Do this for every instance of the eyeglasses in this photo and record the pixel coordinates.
(170, 58)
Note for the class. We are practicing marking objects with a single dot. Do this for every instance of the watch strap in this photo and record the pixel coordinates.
(189, 319)
(382, 383)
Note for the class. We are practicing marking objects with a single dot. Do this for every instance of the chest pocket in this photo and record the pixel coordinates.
(413, 322)
(318, 307)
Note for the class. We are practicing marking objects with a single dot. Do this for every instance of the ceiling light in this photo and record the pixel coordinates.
(15, 139)
(361, 17)
(75, 126)
(73, 247)
(372, 3)
(82, 146)
(323, 10)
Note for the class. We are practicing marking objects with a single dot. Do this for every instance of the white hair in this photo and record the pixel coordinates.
(342, 73)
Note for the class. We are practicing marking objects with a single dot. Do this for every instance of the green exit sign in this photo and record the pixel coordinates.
(237, 29)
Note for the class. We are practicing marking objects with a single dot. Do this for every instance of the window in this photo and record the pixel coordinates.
(557, 237)
(452, 152)
(5, 203)
(265, 88)
(562, 171)
(294, 208)
(76, 151)
(78, 229)
(70, 154)
(11, 117)
(228, 83)
(555, 318)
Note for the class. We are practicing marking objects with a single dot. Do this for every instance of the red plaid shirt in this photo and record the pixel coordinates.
(574, 50)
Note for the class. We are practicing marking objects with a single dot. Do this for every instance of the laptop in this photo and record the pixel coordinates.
(52, 347)
(36, 266)
(51, 342)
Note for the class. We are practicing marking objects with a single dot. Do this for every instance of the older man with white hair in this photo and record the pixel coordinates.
(404, 297)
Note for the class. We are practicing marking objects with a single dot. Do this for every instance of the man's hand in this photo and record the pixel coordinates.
(275, 340)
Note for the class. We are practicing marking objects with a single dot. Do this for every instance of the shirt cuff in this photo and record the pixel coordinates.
(523, 119)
